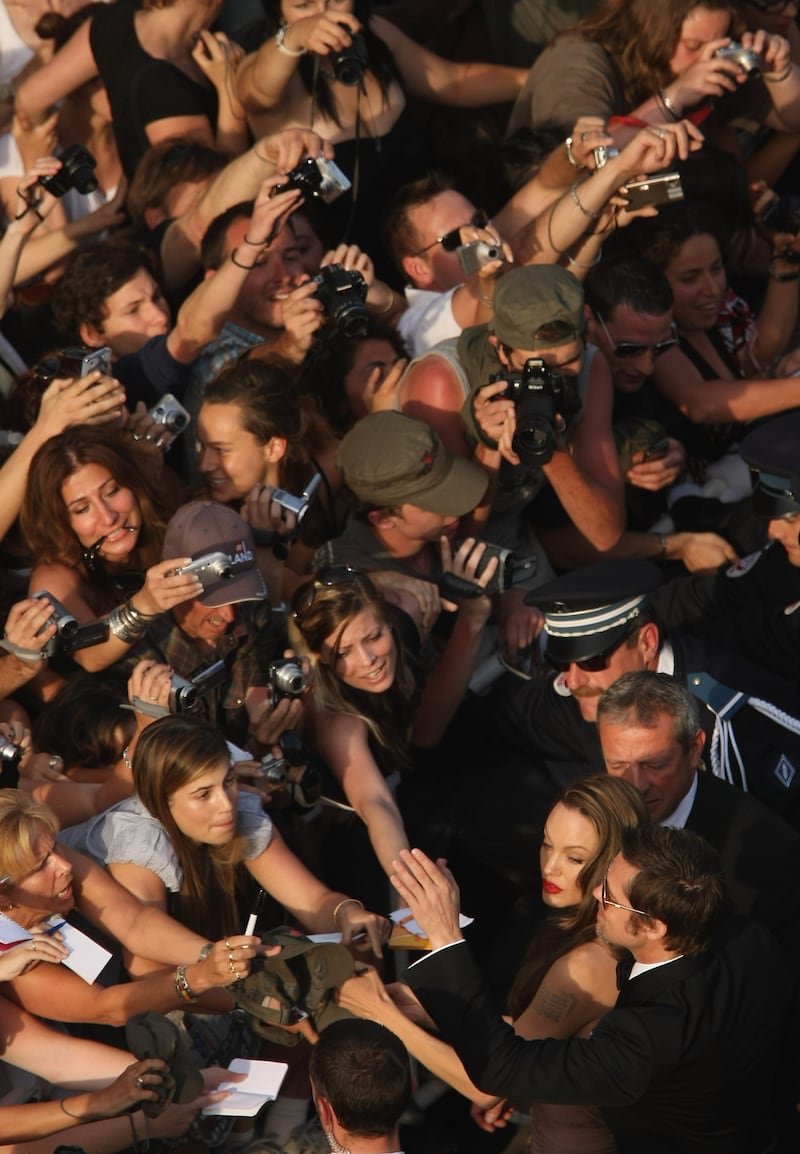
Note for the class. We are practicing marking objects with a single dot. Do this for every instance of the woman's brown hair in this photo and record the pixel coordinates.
(44, 518)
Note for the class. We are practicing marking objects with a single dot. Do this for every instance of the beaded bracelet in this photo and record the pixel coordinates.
(575, 200)
(182, 987)
(344, 902)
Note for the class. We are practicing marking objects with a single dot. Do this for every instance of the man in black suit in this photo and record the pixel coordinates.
(650, 734)
(684, 1060)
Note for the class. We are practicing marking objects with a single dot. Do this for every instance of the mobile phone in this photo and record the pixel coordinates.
(664, 188)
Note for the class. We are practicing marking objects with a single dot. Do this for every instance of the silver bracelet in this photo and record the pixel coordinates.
(127, 623)
(669, 107)
(586, 211)
(570, 157)
(280, 36)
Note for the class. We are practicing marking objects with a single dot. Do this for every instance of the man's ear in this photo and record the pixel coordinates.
(91, 336)
(649, 642)
(417, 271)
(696, 750)
(325, 1111)
(498, 348)
(654, 929)
(380, 520)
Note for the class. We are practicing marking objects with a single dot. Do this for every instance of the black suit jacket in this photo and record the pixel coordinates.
(682, 1064)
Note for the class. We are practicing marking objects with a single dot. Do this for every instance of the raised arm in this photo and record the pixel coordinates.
(71, 67)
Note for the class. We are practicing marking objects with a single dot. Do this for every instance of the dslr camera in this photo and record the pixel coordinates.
(302, 781)
(171, 415)
(343, 293)
(185, 694)
(69, 636)
(317, 179)
(745, 59)
(209, 568)
(286, 679)
(77, 171)
(350, 64)
(539, 392)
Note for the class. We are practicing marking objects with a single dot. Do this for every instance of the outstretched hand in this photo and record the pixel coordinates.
(430, 891)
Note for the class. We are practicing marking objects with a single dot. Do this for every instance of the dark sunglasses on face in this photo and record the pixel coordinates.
(595, 664)
(451, 240)
(628, 350)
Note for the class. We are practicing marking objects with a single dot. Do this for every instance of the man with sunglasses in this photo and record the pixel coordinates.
(629, 319)
(685, 1059)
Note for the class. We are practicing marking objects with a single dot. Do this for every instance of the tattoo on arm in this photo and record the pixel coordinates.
(553, 1005)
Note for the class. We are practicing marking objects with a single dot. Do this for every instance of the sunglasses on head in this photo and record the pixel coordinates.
(452, 239)
(628, 350)
(595, 664)
(327, 578)
(772, 7)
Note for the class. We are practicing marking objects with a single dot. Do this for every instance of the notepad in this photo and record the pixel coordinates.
(261, 1085)
(86, 958)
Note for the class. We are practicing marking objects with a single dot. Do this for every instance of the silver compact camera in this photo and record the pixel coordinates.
(79, 360)
(603, 153)
(317, 179)
(171, 415)
(476, 254)
(286, 679)
(10, 757)
(744, 58)
(298, 506)
(209, 568)
(185, 694)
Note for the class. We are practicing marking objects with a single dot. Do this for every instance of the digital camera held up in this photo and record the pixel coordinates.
(317, 179)
(744, 58)
(10, 758)
(209, 568)
(286, 679)
(185, 694)
(350, 64)
(69, 636)
(539, 393)
(473, 256)
(77, 171)
(171, 415)
(291, 770)
(298, 506)
(343, 293)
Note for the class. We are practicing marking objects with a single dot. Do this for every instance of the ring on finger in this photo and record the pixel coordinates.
(54, 761)
(228, 945)
(140, 1083)
(232, 967)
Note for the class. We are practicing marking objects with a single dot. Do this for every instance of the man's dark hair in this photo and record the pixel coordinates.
(399, 235)
(679, 881)
(627, 280)
(362, 1070)
(212, 247)
(90, 277)
(643, 697)
(165, 165)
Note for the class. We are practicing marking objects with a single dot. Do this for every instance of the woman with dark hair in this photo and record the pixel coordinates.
(166, 75)
(656, 63)
(257, 433)
(368, 706)
(183, 843)
(294, 80)
(95, 524)
(568, 978)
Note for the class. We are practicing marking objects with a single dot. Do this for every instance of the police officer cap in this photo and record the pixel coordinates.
(773, 453)
(593, 609)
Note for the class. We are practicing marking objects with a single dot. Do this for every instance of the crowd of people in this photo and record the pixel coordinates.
(400, 483)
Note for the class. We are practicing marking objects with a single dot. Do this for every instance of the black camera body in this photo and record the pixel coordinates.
(317, 179)
(77, 171)
(343, 293)
(783, 215)
(350, 64)
(286, 679)
(539, 393)
(69, 636)
(185, 694)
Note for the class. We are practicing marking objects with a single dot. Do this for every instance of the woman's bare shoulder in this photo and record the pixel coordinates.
(589, 966)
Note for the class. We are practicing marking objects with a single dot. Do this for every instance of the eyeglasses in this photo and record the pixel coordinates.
(628, 350)
(305, 595)
(606, 900)
(452, 239)
(595, 664)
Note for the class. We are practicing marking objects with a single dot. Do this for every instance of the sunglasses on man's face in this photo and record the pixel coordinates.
(595, 664)
(452, 239)
(629, 350)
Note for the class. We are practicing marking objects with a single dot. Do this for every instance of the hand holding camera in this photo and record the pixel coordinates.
(95, 399)
(322, 34)
(470, 563)
(710, 75)
(165, 585)
(269, 720)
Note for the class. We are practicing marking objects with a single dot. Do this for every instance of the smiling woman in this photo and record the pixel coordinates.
(95, 524)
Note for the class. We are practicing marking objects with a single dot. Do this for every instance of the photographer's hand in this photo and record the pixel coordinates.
(164, 587)
(497, 419)
(25, 620)
(303, 317)
(354, 259)
(287, 148)
(88, 400)
(322, 34)
(260, 511)
(268, 722)
(150, 682)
